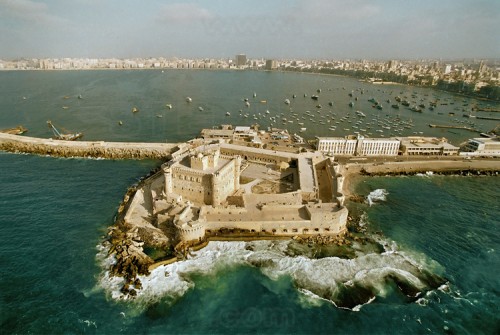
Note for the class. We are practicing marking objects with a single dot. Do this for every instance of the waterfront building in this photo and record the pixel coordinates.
(357, 146)
(418, 145)
(241, 60)
(482, 147)
(377, 146)
(338, 146)
(271, 64)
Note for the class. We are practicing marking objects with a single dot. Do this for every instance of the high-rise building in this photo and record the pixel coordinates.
(241, 60)
(271, 64)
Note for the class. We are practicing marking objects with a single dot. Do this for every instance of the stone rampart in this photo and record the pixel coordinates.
(94, 149)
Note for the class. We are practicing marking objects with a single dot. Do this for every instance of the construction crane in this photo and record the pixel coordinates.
(65, 137)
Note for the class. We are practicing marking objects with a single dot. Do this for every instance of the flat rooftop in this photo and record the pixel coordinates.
(186, 164)
(259, 151)
(306, 174)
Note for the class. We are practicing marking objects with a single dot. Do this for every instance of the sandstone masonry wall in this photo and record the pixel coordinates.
(95, 149)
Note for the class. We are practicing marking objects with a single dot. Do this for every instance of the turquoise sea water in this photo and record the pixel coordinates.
(54, 214)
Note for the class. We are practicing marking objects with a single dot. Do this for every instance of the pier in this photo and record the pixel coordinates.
(88, 149)
(454, 127)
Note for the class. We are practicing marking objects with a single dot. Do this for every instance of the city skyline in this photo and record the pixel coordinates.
(269, 29)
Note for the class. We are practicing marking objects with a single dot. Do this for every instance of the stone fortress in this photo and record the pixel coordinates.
(244, 183)
(211, 188)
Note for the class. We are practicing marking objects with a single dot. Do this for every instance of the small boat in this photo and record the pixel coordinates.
(254, 94)
(64, 137)
(303, 130)
(228, 114)
(287, 101)
(247, 104)
(169, 106)
(200, 109)
(135, 110)
(19, 130)
(159, 115)
(80, 96)
(65, 107)
(314, 97)
(120, 122)
(351, 104)
(188, 99)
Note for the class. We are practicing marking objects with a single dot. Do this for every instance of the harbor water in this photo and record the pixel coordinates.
(54, 214)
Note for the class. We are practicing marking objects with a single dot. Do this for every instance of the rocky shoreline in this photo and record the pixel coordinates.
(128, 242)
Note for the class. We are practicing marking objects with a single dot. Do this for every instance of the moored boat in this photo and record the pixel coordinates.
(64, 137)
(19, 130)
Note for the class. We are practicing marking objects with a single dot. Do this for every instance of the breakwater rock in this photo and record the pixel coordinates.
(90, 149)
(131, 260)
(457, 166)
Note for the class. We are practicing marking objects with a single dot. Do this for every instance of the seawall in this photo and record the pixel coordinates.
(438, 166)
(93, 149)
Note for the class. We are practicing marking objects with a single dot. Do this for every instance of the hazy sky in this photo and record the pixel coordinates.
(258, 28)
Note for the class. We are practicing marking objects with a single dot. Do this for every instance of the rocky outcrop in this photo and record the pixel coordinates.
(131, 260)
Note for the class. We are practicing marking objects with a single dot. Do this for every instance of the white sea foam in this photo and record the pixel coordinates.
(357, 308)
(426, 174)
(320, 279)
(378, 195)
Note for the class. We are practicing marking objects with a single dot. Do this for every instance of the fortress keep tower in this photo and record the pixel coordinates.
(203, 178)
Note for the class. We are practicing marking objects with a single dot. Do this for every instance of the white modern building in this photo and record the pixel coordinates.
(377, 146)
(337, 146)
(418, 145)
(361, 146)
(481, 147)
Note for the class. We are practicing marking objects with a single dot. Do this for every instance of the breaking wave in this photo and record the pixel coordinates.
(346, 283)
(376, 196)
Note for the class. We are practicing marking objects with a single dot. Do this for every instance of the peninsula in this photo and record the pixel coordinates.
(242, 183)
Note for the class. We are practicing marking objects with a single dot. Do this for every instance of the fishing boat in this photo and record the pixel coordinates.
(64, 137)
